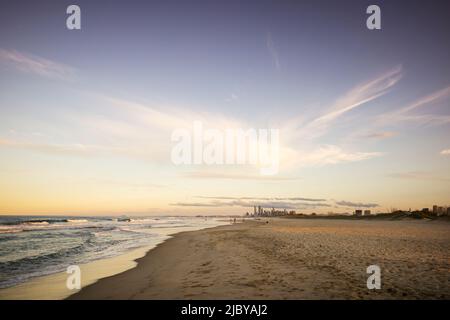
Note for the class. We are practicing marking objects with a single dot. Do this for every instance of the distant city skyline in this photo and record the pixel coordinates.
(86, 116)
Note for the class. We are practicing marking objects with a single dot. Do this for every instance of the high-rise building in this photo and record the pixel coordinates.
(435, 209)
(358, 212)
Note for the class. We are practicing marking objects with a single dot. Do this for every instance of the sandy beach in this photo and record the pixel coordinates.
(290, 259)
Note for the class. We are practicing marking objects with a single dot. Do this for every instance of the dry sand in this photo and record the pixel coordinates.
(291, 259)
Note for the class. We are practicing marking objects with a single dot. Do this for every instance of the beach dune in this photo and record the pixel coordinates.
(290, 259)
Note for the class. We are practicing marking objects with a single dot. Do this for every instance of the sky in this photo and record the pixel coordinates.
(87, 116)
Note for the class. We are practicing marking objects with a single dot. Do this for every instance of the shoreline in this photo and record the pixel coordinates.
(86, 292)
(53, 286)
(290, 259)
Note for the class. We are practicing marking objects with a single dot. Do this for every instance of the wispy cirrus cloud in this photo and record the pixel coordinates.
(309, 152)
(136, 126)
(234, 175)
(427, 100)
(356, 97)
(127, 184)
(123, 128)
(77, 149)
(445, 152)
(29, 63)
(418, 175)
(331, 155)
(380, 135)
(409, 114)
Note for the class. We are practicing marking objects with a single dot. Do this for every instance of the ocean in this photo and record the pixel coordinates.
(33, 246)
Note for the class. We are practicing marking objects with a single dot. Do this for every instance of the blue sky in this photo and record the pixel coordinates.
(86, 115)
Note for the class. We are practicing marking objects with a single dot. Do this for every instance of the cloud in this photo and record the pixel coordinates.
(193, 204)
(60, 149)
(262, 198)
(233, 176)
(331, 154)
(272, 51)
(417, 175)
(445, 152)
(122, 128)
(133, 127)
(427, 100)
(310, 153)
(353, 99)
(126, 184)
(344, 203)
(153, 117)
(250, 204)
(380, 135)
(32, 64)
(272, 202)
(133, 139)
(406, 114)
(300, 199)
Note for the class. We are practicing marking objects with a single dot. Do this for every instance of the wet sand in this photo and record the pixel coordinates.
(291, 259)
